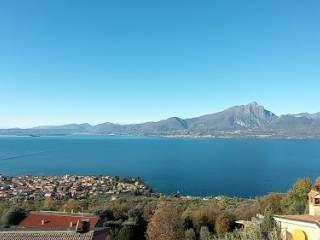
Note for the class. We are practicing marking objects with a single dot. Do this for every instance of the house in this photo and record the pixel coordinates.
(302, 227)
(47, 225)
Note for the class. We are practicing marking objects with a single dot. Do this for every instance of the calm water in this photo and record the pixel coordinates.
(235, 167)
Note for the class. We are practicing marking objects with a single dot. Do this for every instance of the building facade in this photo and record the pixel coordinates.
(302, 227)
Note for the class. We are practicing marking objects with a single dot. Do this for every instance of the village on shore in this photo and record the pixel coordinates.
(20, 188)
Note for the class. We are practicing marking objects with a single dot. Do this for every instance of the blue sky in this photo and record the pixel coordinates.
(134, 61)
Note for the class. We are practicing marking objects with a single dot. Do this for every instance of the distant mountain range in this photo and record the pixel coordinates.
(251, 120)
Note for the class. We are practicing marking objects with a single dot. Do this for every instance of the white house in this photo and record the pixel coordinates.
(302, 227)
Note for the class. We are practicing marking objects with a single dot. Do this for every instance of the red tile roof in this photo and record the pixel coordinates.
(56, 220)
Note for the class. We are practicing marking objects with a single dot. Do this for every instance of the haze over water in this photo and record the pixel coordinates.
(234, 167)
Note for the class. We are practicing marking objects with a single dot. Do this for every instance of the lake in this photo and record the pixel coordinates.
(233, 167)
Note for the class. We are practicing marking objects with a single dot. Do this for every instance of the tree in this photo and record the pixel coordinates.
(295, 202)
(246, 210)
(190, 234)
(223, 224)
(72, 205)
(166, 224)
(205, 234)
(13, 216)
(29, 205)
(272, 199)
(125, 233)
(200, 218)
(49, 204)
(268, 223)
(317, 184)
(200, 215)
(2, 209)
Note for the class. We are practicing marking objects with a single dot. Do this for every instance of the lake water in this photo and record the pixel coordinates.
(234, 167)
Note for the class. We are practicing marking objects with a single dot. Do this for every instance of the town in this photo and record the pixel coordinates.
(16, 189)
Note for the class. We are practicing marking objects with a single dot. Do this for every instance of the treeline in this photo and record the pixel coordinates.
(177, 217)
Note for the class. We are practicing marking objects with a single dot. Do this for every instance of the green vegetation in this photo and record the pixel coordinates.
(12, 216)
(295, 202)
(176, 217)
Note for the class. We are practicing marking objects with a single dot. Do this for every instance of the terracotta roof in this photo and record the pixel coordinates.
(313, 193)
(56, 220)
(301, 218)
(46, 235)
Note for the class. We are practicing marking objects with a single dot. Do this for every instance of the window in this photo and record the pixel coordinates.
(317, 201)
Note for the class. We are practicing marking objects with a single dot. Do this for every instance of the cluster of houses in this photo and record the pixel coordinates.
(63, 187)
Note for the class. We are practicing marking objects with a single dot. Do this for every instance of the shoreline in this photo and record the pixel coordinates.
(136, 183)
(253, 137)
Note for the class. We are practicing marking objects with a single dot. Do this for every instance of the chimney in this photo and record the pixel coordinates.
(43, 222)
(71, 224)
(77, 226)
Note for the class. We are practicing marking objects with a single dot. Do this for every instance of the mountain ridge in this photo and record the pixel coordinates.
(250, 120)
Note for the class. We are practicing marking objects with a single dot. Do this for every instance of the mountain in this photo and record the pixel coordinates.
(315, 116)
(73, 126)
(163, 126)
(303, 125)
(49, 130)
(251, 116)
(251, 120)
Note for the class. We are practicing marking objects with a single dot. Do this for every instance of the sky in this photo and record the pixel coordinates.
(134, 61)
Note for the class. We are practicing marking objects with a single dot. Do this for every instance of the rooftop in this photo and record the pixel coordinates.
(313, 193)
(301, 218)
(56, 220)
